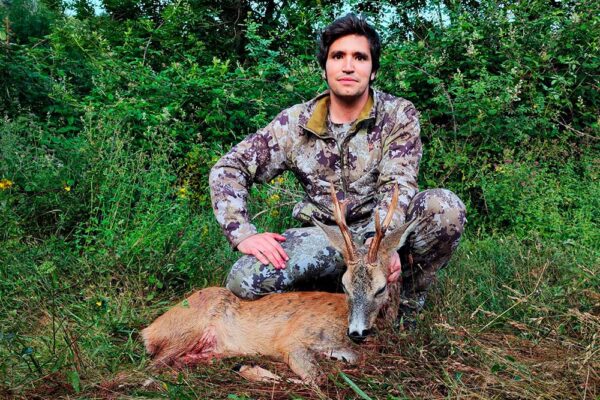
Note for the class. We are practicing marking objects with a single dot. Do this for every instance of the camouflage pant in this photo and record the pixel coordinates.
(314, 264)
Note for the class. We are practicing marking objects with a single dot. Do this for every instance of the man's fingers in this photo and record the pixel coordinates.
(395, 268)
(281, 254)
(278, 237)
(257, 253)
(394, 277)
(281, 251)
(273, 250)
(266, 248)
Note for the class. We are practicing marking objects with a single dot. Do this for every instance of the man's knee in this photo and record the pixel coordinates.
(443, 206)
(250, 279)
(244, 277)
(242, 291)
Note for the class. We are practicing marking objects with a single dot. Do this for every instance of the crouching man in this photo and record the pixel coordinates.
(364, 141)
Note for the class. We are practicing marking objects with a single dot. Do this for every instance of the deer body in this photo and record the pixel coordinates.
(291, 327)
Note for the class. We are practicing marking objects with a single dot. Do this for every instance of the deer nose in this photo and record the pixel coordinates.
(359, 336)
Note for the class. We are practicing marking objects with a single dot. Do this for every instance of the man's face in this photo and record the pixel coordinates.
(349, 67)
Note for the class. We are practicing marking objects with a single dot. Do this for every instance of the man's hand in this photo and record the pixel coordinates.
(265, 247)
(394, 267)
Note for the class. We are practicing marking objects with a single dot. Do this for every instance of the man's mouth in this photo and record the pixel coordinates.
(346, 79)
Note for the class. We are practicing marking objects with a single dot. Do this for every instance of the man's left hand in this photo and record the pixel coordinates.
(395, 267)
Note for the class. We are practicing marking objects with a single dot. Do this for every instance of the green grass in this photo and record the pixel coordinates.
(514, 315)
(508, 319)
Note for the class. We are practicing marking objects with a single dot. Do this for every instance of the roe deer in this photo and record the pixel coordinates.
(291, 327)
(365, 278)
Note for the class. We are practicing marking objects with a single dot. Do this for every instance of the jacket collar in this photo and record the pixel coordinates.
(317, 119)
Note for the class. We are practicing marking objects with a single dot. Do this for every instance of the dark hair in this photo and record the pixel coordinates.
(350, 24)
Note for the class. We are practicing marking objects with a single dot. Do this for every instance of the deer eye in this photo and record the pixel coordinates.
(380, 291)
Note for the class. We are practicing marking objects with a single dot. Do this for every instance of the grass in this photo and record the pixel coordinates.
(507, 319)
(514, 315)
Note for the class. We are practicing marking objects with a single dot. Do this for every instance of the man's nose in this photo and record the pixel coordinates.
(348, 65)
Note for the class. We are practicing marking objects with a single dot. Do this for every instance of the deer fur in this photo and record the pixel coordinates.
(291, 327)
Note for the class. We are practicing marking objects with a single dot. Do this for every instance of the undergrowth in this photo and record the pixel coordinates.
(508, 318)
(110, 124)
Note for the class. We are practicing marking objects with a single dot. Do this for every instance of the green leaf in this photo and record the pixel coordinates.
(354, 387)
(74, 380)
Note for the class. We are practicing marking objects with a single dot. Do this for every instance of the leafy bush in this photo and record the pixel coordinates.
(110, 124)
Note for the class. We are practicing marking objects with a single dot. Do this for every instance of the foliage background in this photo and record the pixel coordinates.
(112, 119)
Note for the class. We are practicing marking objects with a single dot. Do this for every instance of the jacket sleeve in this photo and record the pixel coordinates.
(258, 158)
(401, 155)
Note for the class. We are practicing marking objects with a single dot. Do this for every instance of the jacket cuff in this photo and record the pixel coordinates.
(239, 234)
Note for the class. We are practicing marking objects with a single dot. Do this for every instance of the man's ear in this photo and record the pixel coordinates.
(334, 236)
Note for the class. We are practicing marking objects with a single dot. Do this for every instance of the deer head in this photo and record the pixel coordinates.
(365, 279)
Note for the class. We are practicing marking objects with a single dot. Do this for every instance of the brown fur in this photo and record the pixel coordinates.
(290, 327)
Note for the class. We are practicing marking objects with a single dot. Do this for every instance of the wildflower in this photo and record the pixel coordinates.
(67, 188)
(99, 303)
(183, 193)
(5, 184)
(274, 213)
(273, 199)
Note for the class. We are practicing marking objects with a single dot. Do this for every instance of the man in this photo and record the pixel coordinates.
(362, 140)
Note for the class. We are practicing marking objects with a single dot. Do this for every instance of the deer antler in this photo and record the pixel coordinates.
(380, 229)
(339, 213)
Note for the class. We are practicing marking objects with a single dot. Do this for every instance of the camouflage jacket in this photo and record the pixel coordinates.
(382, 147)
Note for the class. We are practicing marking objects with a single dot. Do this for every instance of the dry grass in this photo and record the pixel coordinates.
(436, 361)
(504, 322)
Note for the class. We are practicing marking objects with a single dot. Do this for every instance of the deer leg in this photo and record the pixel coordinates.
(342, 354)
(303, 363)
(255, 373)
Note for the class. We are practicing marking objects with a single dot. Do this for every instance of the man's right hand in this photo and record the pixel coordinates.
(265, 247)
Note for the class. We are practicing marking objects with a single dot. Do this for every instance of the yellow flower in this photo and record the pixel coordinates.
(273, 199)
(99, 303)
(274, 213)
(5, 184)
(67, 188)
(182, 193)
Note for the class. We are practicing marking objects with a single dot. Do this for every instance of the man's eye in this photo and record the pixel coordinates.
(380, 291)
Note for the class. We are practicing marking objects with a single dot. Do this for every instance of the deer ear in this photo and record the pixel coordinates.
(335, 237)
(393, 240)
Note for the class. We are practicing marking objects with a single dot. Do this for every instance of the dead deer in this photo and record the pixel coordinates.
(291, 327)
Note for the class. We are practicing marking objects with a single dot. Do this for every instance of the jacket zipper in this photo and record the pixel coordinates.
(343, 149)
